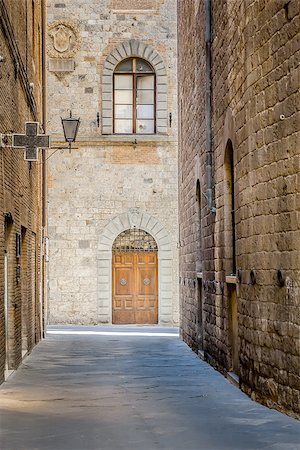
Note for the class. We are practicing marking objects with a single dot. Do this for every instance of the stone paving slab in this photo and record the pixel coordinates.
(131, 388)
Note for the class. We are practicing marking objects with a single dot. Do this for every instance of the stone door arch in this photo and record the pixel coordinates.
(148, 223)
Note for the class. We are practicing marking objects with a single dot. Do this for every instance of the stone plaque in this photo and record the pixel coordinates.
(134, 5)
(61, 65)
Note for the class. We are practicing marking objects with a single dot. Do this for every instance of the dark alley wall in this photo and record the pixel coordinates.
(21, 280)
(240, 264)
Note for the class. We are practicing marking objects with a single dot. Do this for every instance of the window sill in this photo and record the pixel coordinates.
(116, 138)
(136, 138)
(231, 279)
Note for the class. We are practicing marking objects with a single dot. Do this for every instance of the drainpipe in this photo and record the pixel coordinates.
(208, 107)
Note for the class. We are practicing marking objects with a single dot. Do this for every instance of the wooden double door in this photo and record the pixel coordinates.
(135, 288)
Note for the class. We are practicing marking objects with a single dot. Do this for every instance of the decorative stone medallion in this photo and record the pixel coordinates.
(134, 216)
(123, 282)
(147, 281)
(63, 39)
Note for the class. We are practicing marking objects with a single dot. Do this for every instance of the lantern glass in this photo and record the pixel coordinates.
(70, 127)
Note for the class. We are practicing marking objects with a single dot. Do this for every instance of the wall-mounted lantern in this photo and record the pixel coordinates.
(70, 126)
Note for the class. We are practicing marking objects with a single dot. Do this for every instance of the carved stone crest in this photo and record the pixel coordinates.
(63, 39)
(134, 217)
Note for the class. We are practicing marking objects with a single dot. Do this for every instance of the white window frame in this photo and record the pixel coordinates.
(130, 49)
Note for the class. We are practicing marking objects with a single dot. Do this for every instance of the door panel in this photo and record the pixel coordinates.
(135, 292)
(124, 281)
(152, 258)
(123, 288)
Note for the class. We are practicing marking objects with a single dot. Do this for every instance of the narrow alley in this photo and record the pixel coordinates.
(130, 388)
(149, 213)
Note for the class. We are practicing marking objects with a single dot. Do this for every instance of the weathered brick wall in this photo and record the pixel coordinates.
(20, 191)
(106, 176)
(255, 84)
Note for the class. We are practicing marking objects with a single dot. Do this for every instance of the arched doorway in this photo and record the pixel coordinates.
(136, 218)
(230, 246)
(134, 278)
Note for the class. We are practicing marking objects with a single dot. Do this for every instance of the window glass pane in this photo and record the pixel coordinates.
(145, 82)
(145, 97)
(123, 111)
(123, 97)
(145, 126)
(123, 126)
(143, 66)
(124, 66)
(145, 112)
(123, 81)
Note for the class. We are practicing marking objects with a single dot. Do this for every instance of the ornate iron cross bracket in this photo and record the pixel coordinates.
(31, 141)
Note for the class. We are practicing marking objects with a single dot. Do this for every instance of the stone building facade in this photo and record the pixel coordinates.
(122, 176)
(21, 208)
(239, 192)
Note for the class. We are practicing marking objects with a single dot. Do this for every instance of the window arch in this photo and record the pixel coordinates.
(134, 92)
(122, 53)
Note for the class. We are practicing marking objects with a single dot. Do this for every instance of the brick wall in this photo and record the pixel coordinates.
(20, 191)
(255, 86)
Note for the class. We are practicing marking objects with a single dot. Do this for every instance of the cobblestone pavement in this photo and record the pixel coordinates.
(131, 388)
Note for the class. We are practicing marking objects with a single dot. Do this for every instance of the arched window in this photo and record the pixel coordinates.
(158, 122)
(134, 97)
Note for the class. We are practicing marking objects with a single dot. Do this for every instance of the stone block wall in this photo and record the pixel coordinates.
(21, 184)
(255, 108)
(108, 177)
